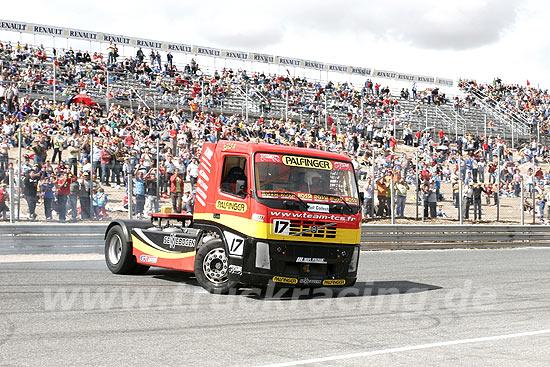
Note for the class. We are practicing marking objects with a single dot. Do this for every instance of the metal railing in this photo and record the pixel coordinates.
(373, 237)
(433, 236)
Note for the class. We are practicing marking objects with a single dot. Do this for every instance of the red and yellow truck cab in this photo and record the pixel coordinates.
(263, 213)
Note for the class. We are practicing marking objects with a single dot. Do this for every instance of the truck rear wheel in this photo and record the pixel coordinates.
(118, 253)
(211, 267)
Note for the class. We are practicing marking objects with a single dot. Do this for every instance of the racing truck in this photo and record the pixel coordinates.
(263, 214)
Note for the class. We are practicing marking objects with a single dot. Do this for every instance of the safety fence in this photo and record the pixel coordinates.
(80, 238)
(444, 184)
(399, 237)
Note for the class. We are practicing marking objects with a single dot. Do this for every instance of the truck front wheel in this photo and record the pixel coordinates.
(211, 267)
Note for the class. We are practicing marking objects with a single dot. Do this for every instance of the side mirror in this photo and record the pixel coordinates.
(240, 187)
(361, 198)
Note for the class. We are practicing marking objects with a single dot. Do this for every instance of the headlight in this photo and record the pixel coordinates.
(354, 259)
(262, 255)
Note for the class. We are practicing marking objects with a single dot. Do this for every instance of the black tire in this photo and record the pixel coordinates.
(118, 253)
(211, 268)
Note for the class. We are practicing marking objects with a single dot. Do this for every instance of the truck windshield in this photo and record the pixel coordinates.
(311, 178)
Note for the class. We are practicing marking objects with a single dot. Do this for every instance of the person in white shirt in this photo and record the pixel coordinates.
(193, 171)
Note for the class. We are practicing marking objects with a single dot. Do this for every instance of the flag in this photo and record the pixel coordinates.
(528, 82)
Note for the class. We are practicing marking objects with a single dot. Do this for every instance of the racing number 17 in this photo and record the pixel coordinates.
(235, 244)
(281, 226)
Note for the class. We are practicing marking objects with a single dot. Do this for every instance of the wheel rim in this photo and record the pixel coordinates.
(115, 249)
(215, 266)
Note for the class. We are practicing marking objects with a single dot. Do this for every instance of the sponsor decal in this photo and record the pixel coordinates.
(342, 166)
(307, 281)
(232, 206)
(307, 162)
(304, 196)
(148, 259)
(258, 217)
(265, 157)
(317, 208)
(320, 198)
(228, 146)
(328, 217)
(311, 260)
(172, 241)
(269, 194)
(278, 279)
(235, 269)
(334, 282)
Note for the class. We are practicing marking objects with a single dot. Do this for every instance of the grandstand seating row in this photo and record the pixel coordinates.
(297, 100)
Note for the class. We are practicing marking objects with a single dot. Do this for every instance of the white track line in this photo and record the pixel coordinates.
(405, 349)
(49, 257)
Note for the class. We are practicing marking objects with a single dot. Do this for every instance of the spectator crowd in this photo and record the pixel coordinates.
(77, 156)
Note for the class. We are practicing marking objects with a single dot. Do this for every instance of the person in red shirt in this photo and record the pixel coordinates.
(129, 140)
(105, 161)
(174, 139)
(63, 192)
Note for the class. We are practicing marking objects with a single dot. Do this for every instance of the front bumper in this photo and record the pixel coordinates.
(298, 264)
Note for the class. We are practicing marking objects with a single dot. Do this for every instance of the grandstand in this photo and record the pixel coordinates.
(254, 94)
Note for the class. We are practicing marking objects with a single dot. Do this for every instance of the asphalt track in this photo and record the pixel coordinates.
(409, 308)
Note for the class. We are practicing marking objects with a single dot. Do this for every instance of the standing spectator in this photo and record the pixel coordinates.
(187, 202)
(105, 161)
(369, 199)
(467, 199)
(101, 198)
(193, 171)
(112, 50)
(516, 182)
(476, 198)
(63, 192)
(475, 168)
(481, 170)
(117, 161)
(74, 152)
(456, 191)
(541, 197)
(58, 146)
(381, 193)
(126, 169)
(47, 186)
(39, 149)
(10, 97)
(4, 158)
(140, 55)
(169, 58)
(74, 188)
(84, 195)
(152, 201)
(401, 188)
(96, 161)
(176, 190)
(30, 188)
(4, 198)
(430, 201)
(139, 190)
